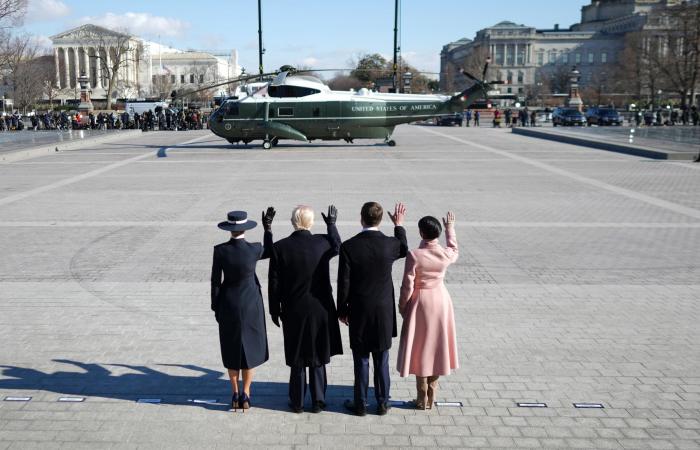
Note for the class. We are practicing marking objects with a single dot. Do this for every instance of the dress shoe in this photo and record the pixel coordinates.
(318, 407)
(350, 406)
(296, 409)
(383, 408)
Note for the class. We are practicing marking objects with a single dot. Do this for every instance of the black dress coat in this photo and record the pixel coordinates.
(238, 304)
(300, 293)
(366, 288)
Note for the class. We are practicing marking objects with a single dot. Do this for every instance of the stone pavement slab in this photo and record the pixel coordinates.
(577, 282)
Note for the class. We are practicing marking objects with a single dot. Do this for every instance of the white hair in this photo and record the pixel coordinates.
(302, 217)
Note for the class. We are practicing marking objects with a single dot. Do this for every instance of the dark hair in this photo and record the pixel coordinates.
(430, 227)
(371, 214)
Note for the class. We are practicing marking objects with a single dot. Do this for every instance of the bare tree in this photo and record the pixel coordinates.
(342, 82)
(676, 51)
(12, 12)
(115, 50)
(29, 80)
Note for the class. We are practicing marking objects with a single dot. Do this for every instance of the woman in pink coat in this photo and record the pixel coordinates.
(428, 346)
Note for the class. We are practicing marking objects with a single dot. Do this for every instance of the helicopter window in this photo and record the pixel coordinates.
(285, 112)
(317, 112)
(232, 109)
(284, 91)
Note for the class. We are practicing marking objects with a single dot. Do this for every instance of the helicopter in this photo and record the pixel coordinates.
(298, 106)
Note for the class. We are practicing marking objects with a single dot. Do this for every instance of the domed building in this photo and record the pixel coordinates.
(523, 55)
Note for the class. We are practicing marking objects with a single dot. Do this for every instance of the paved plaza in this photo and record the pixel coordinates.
(578, 282)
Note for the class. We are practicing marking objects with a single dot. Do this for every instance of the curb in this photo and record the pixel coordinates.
(645, 152)
(76, 144)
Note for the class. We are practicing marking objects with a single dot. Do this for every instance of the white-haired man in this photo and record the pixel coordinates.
(300, 293)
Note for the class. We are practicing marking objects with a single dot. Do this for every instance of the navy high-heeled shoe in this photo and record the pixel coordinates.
(235, 401)
(244, 401)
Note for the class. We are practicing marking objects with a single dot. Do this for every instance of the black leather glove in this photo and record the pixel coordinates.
(267, 217)
(331, 217)
(276, 320)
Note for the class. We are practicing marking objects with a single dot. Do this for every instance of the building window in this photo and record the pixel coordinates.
(540, 58)
(510, 57)
(521, 90)
(604, 57)
(521, 77)
(499, 54)
(201, 79)
(192, 78)
(154, 79)
(509, 78)
(553, 57)
(578, 58)
(172, 79)
(591, 58)
(182, 79)
(510, 90)
(565, 58)
(521, 55)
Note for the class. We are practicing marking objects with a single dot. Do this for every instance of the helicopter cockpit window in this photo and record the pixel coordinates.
(284, 91)
(231, 109)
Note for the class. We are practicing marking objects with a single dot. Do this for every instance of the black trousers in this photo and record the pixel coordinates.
(297, 385)
(382, 384)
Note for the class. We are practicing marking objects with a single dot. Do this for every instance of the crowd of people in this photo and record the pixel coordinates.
(301, 303)
(162, 119)
(672, 117)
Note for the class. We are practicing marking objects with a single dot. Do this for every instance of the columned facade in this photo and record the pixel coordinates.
(143, 69)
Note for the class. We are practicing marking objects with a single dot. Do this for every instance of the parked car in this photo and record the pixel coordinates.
(603, 116)
(568, 117)
(452, 119)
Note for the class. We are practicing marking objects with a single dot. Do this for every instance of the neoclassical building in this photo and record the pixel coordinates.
(145, 68)
(523, 54)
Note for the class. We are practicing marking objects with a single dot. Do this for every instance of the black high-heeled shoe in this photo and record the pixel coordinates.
(244, 401)
(234, 401)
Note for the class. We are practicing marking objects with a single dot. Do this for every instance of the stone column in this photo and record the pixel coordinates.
(98, 68)
(76, 58)
(66, 70)
(58, 67)
(515, 60)
(505, 54)
(86, 62)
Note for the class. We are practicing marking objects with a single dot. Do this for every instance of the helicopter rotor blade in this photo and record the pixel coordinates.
(176, 94)
(486, 67)
(469, 75)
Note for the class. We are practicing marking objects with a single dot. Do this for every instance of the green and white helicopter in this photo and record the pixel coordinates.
(301, 107)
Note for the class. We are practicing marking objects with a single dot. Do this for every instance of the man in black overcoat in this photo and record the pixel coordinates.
(366, 301)
(300, 293)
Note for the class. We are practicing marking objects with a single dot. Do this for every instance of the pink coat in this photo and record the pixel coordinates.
(428, 344)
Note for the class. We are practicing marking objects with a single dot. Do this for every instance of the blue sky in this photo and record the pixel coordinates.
(317, 33)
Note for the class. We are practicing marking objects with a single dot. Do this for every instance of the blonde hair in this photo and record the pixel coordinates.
(302, 217)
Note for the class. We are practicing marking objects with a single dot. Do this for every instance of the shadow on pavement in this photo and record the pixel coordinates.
(145, 382)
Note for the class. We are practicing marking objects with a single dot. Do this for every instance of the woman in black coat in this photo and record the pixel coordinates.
(237, 302)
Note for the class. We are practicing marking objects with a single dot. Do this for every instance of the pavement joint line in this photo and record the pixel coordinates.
(688, 165)
(81, 177)
(674, 207)
(204, 223)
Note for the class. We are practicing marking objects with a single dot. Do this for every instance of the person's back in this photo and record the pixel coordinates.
(366, 301)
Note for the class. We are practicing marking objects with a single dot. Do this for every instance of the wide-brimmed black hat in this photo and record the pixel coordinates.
(237, 221)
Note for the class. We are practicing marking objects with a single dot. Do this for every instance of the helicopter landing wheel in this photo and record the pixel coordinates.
(267, 145)
(391, 143)
(274, 141)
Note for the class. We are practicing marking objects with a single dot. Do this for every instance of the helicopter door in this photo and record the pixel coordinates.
(333, 114)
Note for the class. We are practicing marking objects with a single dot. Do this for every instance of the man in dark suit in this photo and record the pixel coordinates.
(366, 301)
(300, 293)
